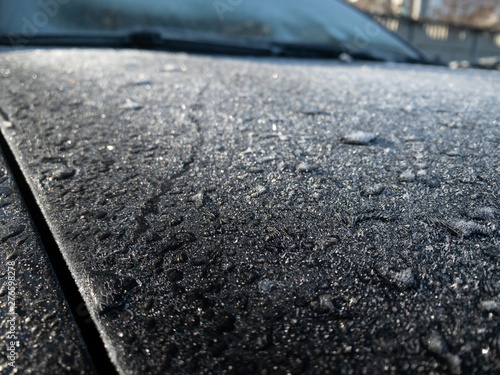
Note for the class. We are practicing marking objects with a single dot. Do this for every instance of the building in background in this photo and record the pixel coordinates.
(483, 14)
(445, 30)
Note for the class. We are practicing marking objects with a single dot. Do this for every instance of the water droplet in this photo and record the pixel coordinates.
(358, 138)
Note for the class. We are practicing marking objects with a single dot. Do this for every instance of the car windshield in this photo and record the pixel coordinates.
(328, 23)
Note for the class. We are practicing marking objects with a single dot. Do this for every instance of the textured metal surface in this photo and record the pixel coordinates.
(38, 335)
(253, 216)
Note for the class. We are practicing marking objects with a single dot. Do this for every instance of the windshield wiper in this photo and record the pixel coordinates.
(156, 40)
(256, 47)
(232, 46)
(194, 43)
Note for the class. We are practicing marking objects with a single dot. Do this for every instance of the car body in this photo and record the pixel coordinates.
(227, 214)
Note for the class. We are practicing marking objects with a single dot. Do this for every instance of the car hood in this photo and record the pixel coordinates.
(243, 215)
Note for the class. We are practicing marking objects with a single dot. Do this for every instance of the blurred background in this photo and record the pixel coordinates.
(445, 30)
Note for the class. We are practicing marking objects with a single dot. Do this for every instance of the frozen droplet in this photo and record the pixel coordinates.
(358, 138)
(454, 363)
(249, 150)
(268, 135)
(326, 303)
(130, 104)
(397, 279)
(198, 199)
(408, 108)
(314, 111)
(180, 257)
(404, 279)
(496, 341)
(345, 58)
(13, 232)
(103, 235)
(464, 228)
(64, 173)
(5, 191)
(6, 124)
(174, 221)
(140, 82)
(490, 306)
(484, 213)
(492, 251)
(407, 176)
(255, 170)
(178, 240)
(265, 286)
(421, 173)
(224, 322)
(454, 153)
(375, 189)
(306, 167)
(174, 275)
(4, 203)
(171, 68)
(259, 190)
(436, 344)
(109, 290)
